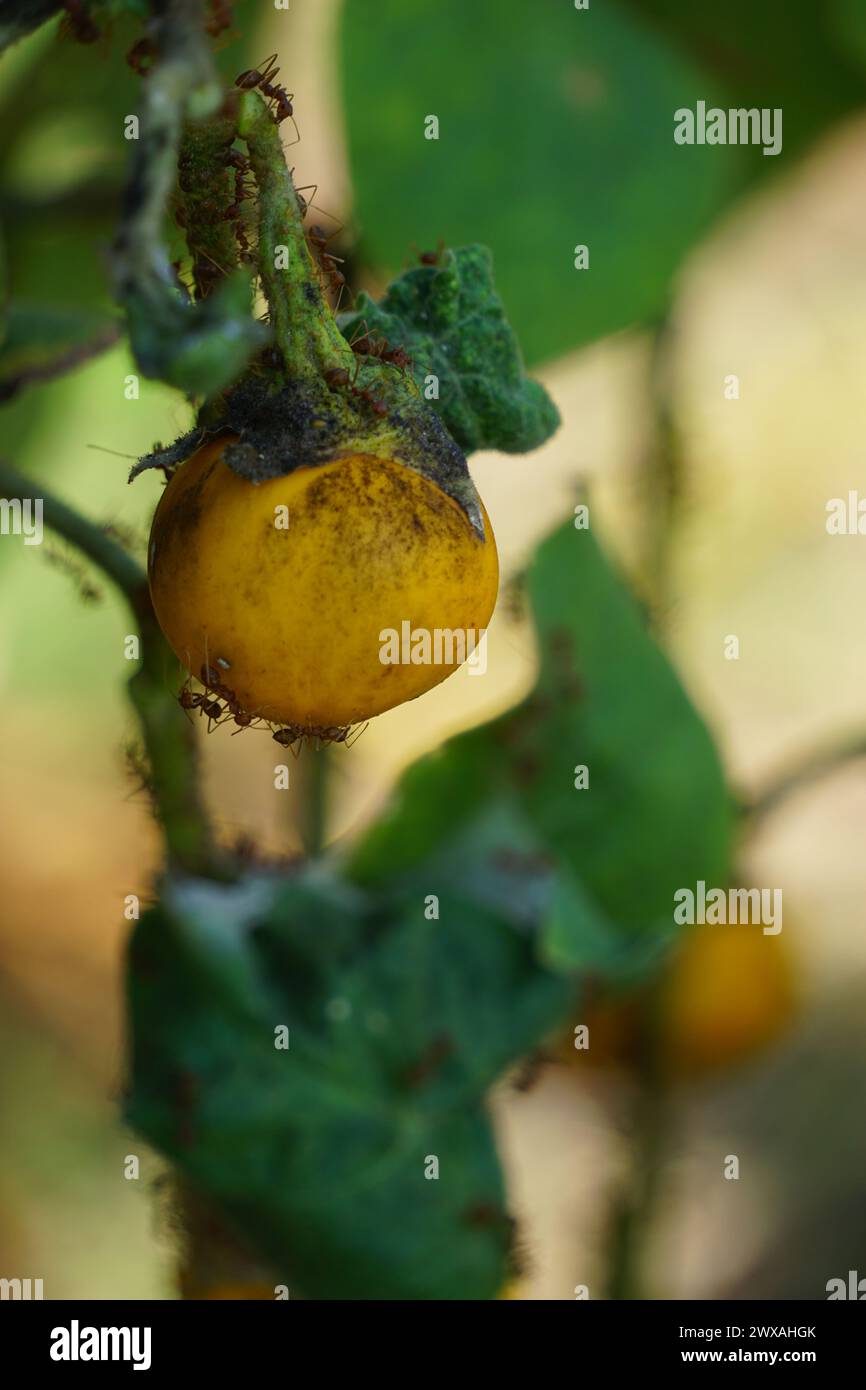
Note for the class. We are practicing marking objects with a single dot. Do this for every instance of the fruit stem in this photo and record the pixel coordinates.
(304, 327)
(314, 803)
(169, 738)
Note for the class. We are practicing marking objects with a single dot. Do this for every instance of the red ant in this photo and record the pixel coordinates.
(234, 213)
(78, 22)
(263, 78)
(337, 377)
(376, 404)
(291, 733)
(432, 257)
(220, 17)
(211, 678)
(288, 736)
(212, 709)
(328, 261)
(367, 346)
(142, 56)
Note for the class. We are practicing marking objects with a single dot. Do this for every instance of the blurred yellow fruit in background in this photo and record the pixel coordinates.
(727, 992)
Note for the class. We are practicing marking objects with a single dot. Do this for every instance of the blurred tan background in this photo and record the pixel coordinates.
(777, 296)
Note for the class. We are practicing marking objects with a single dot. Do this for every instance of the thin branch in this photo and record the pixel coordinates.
(111, 558)
(811, 769)
(169, 737)
(634, 1205)
(58, 366)
(661, 477)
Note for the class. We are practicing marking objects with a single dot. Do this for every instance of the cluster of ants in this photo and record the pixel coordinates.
(219, 704)
(280, 101)
(142, 55)
(367, 346)
(264, 78)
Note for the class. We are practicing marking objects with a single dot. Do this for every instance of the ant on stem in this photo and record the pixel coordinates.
(329, 263)
(337, 377)
(368, 346)
(263, 78)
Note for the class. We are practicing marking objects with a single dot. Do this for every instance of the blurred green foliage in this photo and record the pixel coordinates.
(40, 341)
(397, 1027)
(655, 815)
(556, 130)
(792, 54)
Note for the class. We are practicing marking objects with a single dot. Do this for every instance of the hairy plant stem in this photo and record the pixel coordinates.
(304, 327)
(169, 737)
(182, 81)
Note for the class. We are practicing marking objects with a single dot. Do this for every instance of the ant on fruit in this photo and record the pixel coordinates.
(212, 679)
(212, 709)
(291, 734)
(288, 736)
(263, 78)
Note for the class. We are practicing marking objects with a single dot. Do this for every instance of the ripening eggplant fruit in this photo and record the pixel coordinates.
(320, 509)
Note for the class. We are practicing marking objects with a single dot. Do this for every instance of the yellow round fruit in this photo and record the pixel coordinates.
(729, 992)
(725, 994)
(292, 588)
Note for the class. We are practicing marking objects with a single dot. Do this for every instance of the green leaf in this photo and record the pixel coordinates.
(655, 817)
(657, 814)
(41, 342)
(555, 130)
(438, 794)
(198, 348)
(790, 54)
(397, 1027)
(849, 22)
(452, 323)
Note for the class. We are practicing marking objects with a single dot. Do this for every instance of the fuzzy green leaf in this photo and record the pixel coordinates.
(397, 1027)
(450, 320)
(198, 348)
